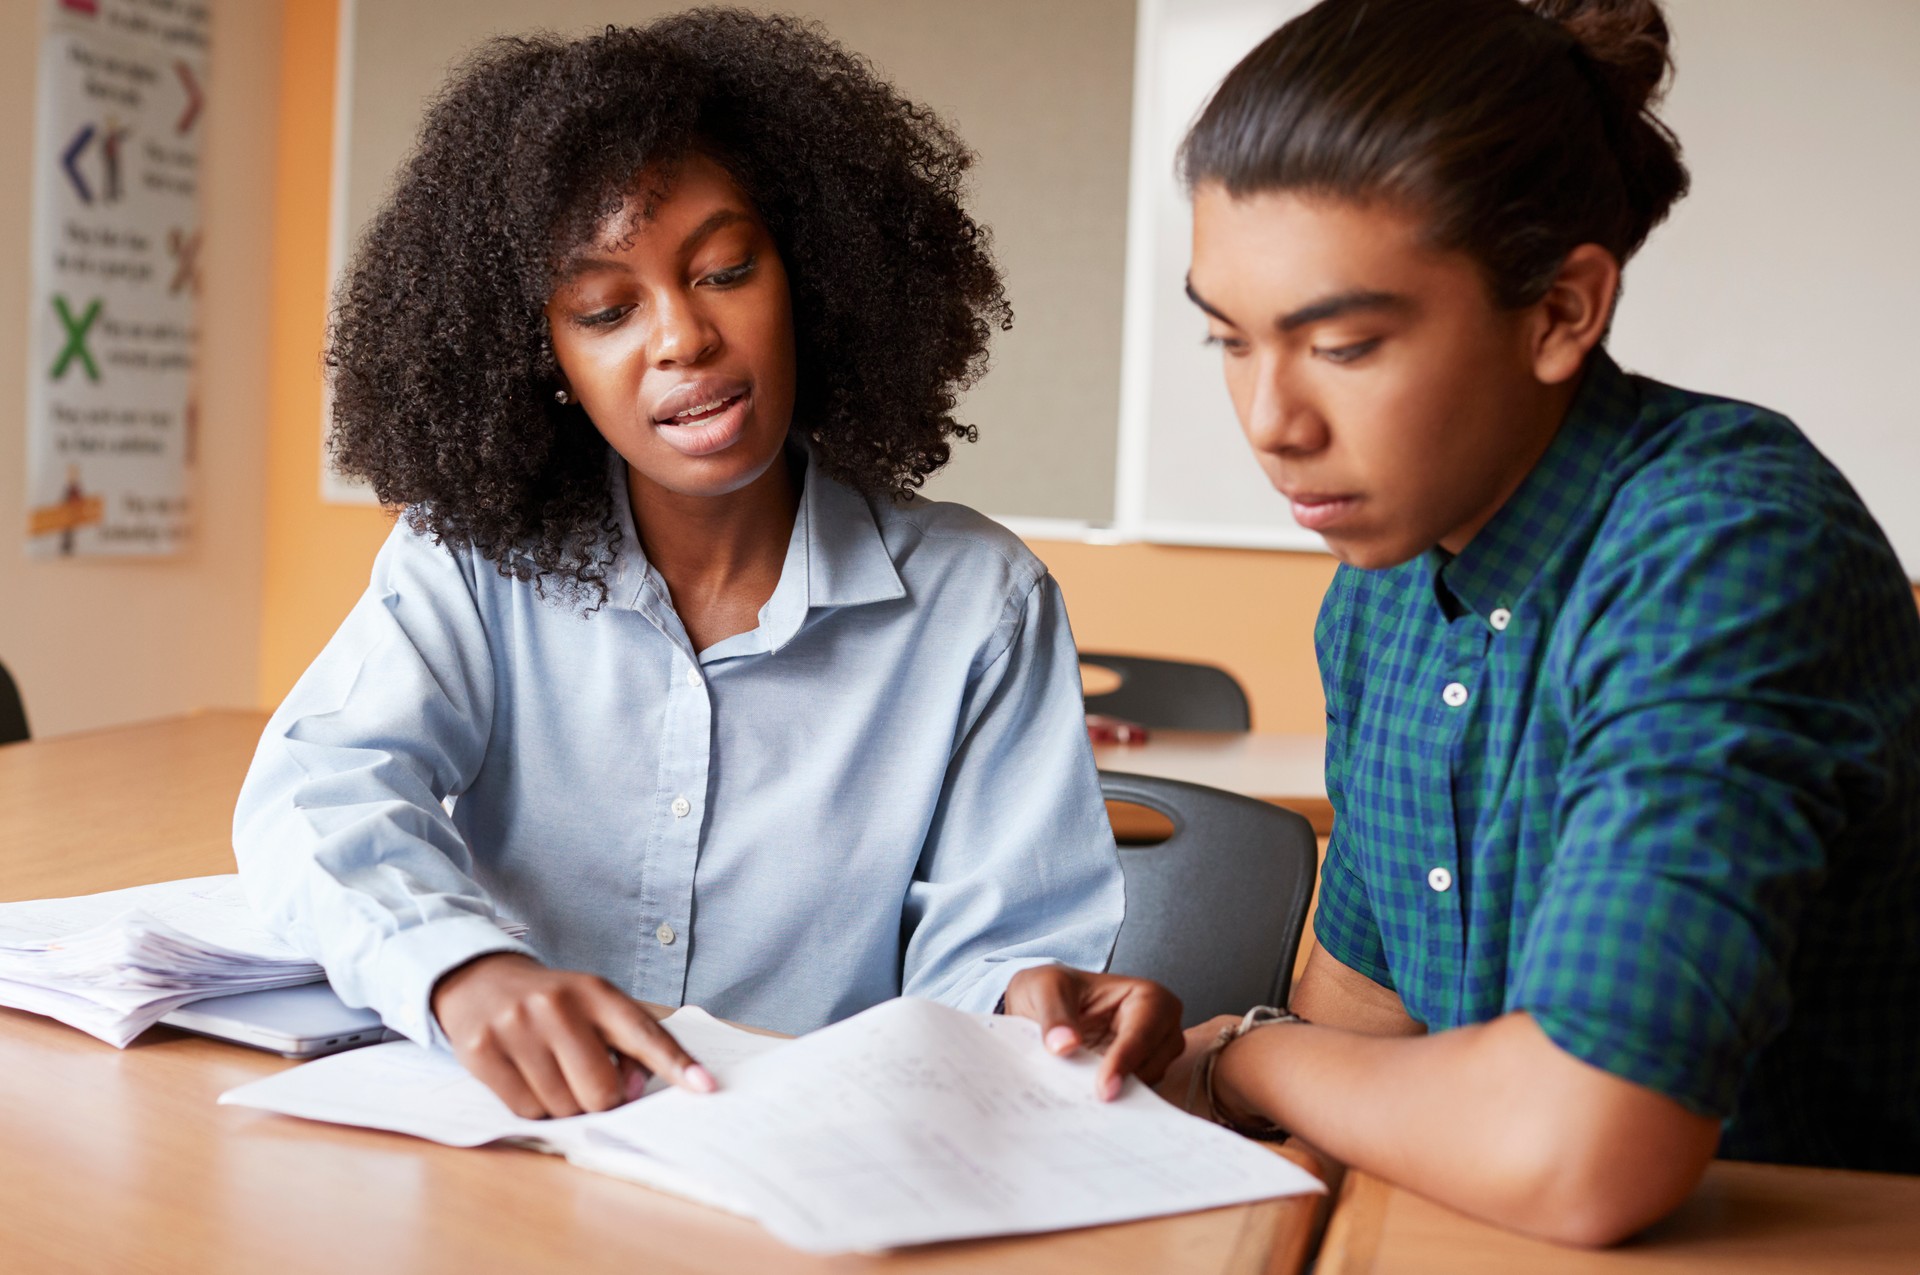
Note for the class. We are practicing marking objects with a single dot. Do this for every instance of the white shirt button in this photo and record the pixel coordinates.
(1455, 695)
(693, 671)
(1500, 619)
(665, 934)
(1439, 878)
(681, 807)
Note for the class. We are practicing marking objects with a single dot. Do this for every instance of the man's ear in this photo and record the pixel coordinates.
(1569, 321)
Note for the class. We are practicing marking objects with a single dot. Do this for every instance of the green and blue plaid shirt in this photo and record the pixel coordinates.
(1643, 761)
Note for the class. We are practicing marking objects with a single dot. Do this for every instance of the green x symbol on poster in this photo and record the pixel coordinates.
(76, 346)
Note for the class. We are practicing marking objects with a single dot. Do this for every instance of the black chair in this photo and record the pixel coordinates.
(1216, 911)
(1170, 694)
(13, 713)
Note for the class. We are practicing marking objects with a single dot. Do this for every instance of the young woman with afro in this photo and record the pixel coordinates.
(654, 340)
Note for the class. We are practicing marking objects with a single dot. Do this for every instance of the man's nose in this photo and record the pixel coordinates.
(1282, 418)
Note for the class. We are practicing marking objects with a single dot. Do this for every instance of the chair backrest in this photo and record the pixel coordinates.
(13, 713)
(1215, 912)
(1170, 694)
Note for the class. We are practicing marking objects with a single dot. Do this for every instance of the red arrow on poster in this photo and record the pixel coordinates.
(192, 86)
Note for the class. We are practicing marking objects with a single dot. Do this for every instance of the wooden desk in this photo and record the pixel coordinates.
(1746, 1219)
(119, 1160)
(1287, 770)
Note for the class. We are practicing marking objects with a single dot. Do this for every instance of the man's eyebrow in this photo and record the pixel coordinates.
(1202, 302)
(1340, 303)
(1325, 308)
(585, 263)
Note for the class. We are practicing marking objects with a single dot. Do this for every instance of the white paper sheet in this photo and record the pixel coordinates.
(114, 964)
(401, 1087)
(913, 1123)
(908, 1124)
(404, 1088)
(212, 909)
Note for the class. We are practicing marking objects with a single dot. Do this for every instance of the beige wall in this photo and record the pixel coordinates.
(101, 642)
(96, 642)
(1247, 610)
(1043, 94)
(1251, 612)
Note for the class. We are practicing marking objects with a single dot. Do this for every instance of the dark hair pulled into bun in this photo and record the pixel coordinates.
(1519, 131)
(1628, 46)
(1627, 39)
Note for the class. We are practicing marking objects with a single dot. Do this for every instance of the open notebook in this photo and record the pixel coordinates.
(906, 1124)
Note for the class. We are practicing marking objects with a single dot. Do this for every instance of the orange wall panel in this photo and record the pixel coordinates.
(316, 554)
(1251, 611)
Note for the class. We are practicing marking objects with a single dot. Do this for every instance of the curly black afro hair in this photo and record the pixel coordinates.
(442, 370)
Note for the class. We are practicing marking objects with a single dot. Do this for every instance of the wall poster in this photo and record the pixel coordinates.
(111, 406)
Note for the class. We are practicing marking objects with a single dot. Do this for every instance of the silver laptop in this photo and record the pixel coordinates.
(295, 1022)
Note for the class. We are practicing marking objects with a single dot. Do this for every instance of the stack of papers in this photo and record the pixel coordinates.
(114, 964)
(907, 1124)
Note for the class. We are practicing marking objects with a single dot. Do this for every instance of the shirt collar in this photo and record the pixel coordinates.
(836, 557)
(1502, 560)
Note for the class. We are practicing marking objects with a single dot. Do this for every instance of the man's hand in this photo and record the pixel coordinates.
(1138, 1021)
(555, 1042)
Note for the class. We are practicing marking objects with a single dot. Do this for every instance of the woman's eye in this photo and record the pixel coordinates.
(602, 318)
(1348, 353)
(730, 276)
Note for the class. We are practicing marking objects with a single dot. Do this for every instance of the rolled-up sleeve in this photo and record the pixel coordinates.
(1019, 866)
(341, 835)
(1719, 738)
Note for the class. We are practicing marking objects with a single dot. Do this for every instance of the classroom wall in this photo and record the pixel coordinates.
(1041, 92)
(1142, 598)
(1250, 611)
(316, 555)
(103, 641)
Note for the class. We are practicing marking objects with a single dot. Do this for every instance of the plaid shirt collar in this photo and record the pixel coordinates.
(1573, 478)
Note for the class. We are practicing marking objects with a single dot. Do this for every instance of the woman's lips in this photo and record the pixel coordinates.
(704, 434)
(1317, 513)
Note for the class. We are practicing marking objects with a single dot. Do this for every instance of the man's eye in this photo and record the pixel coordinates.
(1231, 344)
(1348, 353)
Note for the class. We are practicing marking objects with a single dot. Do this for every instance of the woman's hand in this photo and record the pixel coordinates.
(1178, 1079)
(1138, 1021)
(555, 1042)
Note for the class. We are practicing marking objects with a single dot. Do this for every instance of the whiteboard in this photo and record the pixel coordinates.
(1786, 278)
(1183, 474)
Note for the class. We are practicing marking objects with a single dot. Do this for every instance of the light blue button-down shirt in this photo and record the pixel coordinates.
(884, 788)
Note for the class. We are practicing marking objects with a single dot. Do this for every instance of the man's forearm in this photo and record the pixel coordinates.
(1494, 1120)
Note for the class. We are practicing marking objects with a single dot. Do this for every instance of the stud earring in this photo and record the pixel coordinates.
(562, 397)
